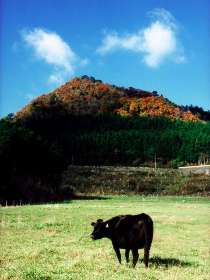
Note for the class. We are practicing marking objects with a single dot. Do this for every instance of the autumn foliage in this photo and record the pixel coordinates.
(87, 122)
(87, 96)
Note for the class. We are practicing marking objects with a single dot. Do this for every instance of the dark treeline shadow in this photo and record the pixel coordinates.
(56, 201)
(5, 203)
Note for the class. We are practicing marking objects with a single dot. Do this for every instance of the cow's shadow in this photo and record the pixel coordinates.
(168, 262)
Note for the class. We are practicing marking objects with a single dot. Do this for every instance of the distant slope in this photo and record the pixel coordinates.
(87, 122)
(88, 96)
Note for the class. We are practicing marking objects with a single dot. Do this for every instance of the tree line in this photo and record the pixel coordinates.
(34, 152)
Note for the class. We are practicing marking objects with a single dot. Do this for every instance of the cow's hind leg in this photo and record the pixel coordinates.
(135, 256)
(148, 229)
(127, 254)
(146, 256)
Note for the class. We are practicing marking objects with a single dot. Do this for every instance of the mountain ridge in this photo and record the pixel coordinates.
(88, 96)
(86, 122)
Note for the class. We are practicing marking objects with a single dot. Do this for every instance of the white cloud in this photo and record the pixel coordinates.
(56, 78)
(29, 96)
(53, 50)
(84, 62)
(164, 16)
(180, 58)
(155, 43)
(159, 41)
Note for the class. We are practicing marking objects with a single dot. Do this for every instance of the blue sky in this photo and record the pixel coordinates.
(150, 44)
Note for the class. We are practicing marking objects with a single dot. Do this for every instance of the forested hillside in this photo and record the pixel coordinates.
(88, 96)
(87, 122)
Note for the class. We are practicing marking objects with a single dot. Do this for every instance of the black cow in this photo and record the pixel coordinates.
(129, 232)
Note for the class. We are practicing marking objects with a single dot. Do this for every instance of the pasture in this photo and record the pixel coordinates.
(52, 241)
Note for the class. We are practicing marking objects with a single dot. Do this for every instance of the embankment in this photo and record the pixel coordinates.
(133, 180)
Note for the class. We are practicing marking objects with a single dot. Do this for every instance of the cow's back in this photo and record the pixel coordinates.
(133, 231)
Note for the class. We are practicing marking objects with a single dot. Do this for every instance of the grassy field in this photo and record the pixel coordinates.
(52, 241)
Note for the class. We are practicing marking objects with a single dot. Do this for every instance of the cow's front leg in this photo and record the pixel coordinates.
(127, 254)
(117, 251)
(135, 256)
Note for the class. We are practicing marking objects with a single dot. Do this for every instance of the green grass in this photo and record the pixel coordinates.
(51, 241)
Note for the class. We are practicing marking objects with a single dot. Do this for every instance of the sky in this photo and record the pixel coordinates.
(157, 45)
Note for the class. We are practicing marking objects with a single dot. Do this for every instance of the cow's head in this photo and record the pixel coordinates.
(100, 229)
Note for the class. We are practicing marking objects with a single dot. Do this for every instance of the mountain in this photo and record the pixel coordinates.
(88, 122)
(88, 96)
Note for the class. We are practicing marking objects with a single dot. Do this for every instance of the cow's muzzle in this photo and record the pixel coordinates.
(93, 237)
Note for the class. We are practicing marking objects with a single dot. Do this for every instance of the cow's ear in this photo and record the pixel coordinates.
(107, 225)
(99, 220)
(93, 224)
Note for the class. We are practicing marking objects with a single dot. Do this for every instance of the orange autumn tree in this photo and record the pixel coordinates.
(86, 95)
